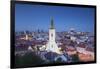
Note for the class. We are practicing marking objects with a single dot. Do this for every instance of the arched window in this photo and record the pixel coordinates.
(51, 35)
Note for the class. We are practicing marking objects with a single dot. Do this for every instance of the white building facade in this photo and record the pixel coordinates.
(52, 45)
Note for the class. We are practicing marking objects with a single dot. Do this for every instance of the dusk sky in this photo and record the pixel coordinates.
(33, 17)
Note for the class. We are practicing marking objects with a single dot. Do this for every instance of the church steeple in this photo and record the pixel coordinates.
(52, 45)
(52, 24)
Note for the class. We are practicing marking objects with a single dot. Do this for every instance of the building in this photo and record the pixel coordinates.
(52, 45)
(85, 53)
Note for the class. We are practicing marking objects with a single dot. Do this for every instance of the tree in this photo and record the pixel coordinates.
(29, 59)
(75, 58)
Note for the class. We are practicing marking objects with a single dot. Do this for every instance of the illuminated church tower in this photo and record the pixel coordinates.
(52, 45)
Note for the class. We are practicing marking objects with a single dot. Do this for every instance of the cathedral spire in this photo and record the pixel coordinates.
(52, 45)
(52, 24)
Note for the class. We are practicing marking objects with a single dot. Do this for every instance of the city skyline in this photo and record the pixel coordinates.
(33, 17)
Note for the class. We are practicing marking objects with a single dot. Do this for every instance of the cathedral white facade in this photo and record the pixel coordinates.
(51, 46)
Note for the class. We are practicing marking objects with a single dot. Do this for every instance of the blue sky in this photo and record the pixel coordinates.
(33, 17)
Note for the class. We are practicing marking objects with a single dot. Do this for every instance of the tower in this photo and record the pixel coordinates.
(26, 35)
(52, 32)
(52, 45)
